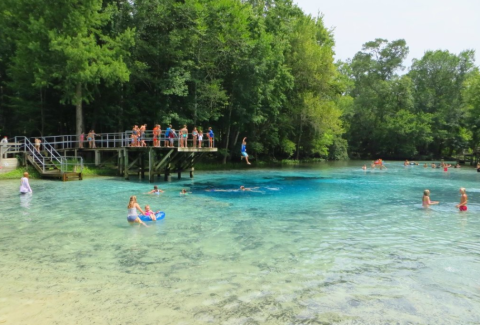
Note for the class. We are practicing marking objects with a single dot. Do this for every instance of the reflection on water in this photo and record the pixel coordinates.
(331, 244)
(25, 200)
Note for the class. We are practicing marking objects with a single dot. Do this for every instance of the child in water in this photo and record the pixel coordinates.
(150, 213)
(364, 167)
(426, 199)
(463, 200)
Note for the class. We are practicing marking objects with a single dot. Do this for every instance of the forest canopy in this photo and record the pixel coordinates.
(257, 68)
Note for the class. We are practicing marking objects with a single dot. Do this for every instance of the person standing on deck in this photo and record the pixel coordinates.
(183, 137)
(195, 136)
(142, 135)
(93, 139)
(167, 136)
(80, 142)
(244, 150)
(155, 136)
(200, 139)
(89, 139)
(210, 136)
(37, 144)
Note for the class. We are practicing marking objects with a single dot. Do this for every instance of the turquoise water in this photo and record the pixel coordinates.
(325, 244)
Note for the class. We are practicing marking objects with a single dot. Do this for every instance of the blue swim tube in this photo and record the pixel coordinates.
(160, 215)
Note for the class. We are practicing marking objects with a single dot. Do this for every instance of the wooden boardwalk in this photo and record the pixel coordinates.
(53, 160)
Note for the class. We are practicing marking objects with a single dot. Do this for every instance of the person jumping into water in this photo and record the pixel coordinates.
(244, 150)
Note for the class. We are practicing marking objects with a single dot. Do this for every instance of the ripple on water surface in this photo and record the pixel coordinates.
(328, 244)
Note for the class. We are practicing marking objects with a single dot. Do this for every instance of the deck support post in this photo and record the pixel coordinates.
(120, 162)
(125, 162)
(142, 165)
(192, 161)
(97, 157)
(168, 178)
(151, 157)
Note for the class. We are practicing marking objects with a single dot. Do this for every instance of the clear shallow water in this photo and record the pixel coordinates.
(328, 244)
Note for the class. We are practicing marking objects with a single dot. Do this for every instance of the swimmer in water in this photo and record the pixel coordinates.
(364, 167)
(184, 192)
(425, 165)
(462, 206)
(243, 188)
(426, 199)
(155, 190)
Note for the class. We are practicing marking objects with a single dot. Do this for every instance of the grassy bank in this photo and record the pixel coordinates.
(18, 173)
(87, 172)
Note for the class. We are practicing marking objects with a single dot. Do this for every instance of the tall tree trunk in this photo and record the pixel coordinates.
(42, 113)
(299, 138)
(228, 135)
(79, 112)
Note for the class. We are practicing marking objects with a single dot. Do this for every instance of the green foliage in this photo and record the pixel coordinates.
(256, 68)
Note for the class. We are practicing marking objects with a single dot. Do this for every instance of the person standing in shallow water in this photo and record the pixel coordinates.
(25, 185)
(462, 206)
(426, 199)
(132, 207)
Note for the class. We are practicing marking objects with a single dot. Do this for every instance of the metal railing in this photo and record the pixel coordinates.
(72, 164)
(123, 139)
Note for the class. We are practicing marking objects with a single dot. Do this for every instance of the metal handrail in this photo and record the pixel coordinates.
(77, 164)
(113, 140)
(51, 150)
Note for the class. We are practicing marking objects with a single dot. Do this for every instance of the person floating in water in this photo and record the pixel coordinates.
(242, 188)
(364, 167)
(463, 200)
(155, 190)
(184, 192)
(426, 199)
(150, 213)
(244, 150)
(25, 185)
(132, 207)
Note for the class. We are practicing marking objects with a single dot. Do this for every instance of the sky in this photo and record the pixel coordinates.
(452, 25)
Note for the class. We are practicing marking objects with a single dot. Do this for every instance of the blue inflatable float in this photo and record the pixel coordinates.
(160, 215)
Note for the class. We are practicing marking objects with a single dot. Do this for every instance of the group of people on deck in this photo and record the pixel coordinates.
(137, 138)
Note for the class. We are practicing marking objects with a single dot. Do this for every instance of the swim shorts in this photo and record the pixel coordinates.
(463, 208)
(132, 218)
(244, 154)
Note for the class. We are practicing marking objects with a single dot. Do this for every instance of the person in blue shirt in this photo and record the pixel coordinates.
(210, 137)
(167, 133)
(244, 150)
